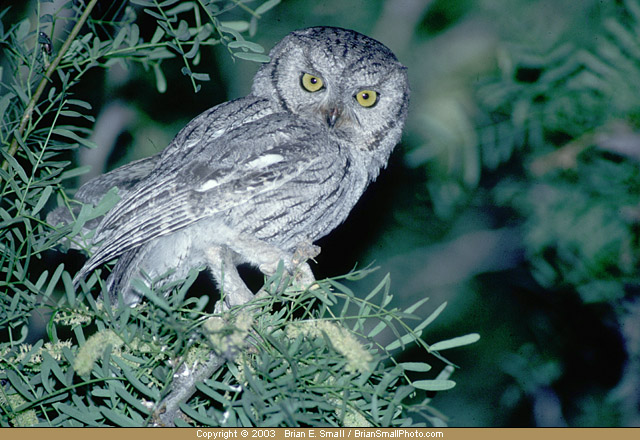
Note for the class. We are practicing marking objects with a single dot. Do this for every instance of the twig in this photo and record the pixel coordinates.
(26, 117)
(564, 158)
(183, 387)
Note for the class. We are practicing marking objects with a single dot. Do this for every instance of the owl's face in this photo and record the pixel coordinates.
(341, 79)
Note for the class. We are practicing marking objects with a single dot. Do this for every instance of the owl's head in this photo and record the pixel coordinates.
(346, 81)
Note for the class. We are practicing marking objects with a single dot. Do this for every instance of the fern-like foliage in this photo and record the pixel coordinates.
(286, 358)
(572, 111)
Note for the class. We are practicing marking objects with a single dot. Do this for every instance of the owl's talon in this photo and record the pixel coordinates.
(305, 251)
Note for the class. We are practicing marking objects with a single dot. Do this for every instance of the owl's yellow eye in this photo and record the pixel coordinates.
(367, 98)
(311, 83)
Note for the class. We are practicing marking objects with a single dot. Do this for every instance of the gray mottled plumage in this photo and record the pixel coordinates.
(257, 180)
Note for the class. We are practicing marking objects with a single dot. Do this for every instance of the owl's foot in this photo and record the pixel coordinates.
(301, 272)
(303, 276)
(267, 258)
(305, 250)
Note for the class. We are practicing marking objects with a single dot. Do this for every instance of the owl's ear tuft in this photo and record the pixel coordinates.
(266, 76)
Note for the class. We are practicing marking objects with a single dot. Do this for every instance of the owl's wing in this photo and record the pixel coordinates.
(125, 178)
(203, 130)
(256, 159)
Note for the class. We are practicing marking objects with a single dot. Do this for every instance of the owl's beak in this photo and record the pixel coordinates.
(332, 116)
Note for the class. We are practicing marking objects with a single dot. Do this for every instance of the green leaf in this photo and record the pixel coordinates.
(434, 385)
(75, 172)
(86, 417)
(41, 279)
(416, 306)
(118, 418)
(134, 381)
(105, 204)
(52, 94)
(341, 287)
(133, 401)
(212, 393)
(204, 419)
(386, 299)
(192, 275)
(23, 29)
(377, 329)
(160, 20)
(182, 33)
(44, 198)
(52, 366)
(119, 38)
(13, 163)
(455, 342)
(244, 44)
(151, 295)
(382, 286)
(73, 136)
(77, 330)
(357, 275)
(79, 103)
(168, 3)
(160, 53)
(238, 26)
(80, 220)
(194, 49)
(71, 296)
(45, 371)
(54, 280)
(74, 114)
(67, 282)
(161, 81)
(431, 317)
(19, 385)
(406, 339)
(420, 367)
(445, 373)
(134, 35)
(259, 58)
(182, 7)
(4, 103)
(269, 4)
(200, 76)
(157, 35)
(205, 32)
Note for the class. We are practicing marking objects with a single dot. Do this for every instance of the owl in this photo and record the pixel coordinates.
(258, 179)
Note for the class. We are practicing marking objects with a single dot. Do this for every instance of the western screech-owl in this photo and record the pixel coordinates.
(257, 180)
